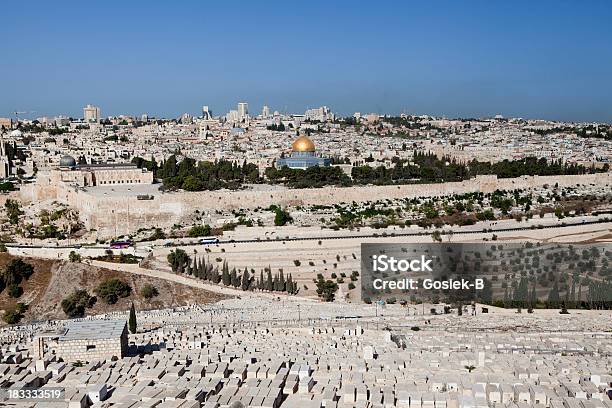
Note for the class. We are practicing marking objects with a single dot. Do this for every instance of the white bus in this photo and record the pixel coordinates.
(209, 240)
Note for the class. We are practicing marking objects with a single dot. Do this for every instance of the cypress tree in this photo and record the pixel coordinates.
(234, 278)
(226, 276)
(246, 280)
(553, 296)
(207, 269)
(506, 297)
(196, 268)
(281, 282)
(132, 319)
(575, 277)
(522, 292)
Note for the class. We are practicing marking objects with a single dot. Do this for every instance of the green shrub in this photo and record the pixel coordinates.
(157, 234)
(11, 316)
(15, 290)
(281, 217)
(112, 289)
(15, 272)
(14, 315)
(326, 289)
(21, 307)
(199, 231)
(178, 260)
(148, 291)
(74, 257)
(75, 304)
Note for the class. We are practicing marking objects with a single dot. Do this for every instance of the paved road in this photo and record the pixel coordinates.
(185, 280)
(177, 243)
(173, 277)
(412, 234)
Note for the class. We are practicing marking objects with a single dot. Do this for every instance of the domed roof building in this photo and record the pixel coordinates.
(67, 162)
(302, 155)
(303, 144)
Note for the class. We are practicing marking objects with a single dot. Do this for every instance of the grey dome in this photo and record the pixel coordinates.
(67, 161)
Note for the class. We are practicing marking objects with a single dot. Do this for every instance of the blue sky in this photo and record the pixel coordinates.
(534, 59)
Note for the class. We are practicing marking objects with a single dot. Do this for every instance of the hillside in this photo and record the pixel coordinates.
(53, 280)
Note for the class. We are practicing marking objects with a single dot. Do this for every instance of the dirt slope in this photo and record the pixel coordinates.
(52, 281)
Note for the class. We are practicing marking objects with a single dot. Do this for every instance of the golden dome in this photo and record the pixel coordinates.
(303, 144)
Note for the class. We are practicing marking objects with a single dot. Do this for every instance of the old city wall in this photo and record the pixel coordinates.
(112, 216)
(45, 188)
(333, 195)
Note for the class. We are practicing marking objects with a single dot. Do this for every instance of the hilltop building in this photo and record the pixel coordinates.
(206, 113)
(303, 155)
(90, 175)
(91, 114)
(321, 114)
(243, 111)
(265, 112)
(6, 123)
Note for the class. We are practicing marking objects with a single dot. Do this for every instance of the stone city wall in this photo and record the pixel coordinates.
(113, 216)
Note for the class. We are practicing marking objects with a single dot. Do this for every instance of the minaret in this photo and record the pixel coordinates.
(2, 152)
(4, 160)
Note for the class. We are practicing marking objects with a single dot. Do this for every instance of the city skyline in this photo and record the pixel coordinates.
(441, 59)
(221, 205)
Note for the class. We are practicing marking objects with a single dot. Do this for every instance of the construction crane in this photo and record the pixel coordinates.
(17, 113)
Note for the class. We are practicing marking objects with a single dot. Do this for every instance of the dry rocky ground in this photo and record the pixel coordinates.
(52, 281)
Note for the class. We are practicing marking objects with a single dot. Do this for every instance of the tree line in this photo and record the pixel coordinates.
(308, 178)
(246, 280)
(428, 168)
(192, 175)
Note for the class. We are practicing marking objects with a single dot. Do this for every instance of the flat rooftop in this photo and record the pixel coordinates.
(107, 166)
(132, 190)
(93, 330)
(123, 190)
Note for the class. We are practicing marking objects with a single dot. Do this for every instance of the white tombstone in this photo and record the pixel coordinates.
(368, 353)
(481, 359)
